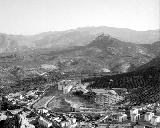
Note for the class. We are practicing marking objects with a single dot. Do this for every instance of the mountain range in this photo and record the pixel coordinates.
(75, 37)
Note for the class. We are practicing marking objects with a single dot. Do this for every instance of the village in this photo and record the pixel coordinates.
(116, 116)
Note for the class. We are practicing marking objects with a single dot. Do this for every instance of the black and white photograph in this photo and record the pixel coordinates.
(79, 63)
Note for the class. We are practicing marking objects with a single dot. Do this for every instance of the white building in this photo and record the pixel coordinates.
(133, 111)
(42, 110)
(148, 116)
(72, 120)
(3, 117)
(65, 124)
(44, 122)
(135, 117)
(139, 108)
(155, 120)
(122, 117)
(106, 70)
(67, 89)
(21, 97)
(62, 84)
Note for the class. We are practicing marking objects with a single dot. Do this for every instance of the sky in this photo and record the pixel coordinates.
(35, 16)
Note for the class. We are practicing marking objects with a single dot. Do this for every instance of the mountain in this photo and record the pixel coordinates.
(126, 34)
(103, 54)
(77, 37)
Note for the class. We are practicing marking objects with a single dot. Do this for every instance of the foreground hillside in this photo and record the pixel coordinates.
(143, 83)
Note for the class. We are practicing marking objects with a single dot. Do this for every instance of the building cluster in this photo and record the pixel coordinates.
(49, 119)
(142, 116)
(134, 119)
(23, 98)
(71, 85)
(16, 119)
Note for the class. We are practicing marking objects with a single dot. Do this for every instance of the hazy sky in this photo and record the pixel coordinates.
(34, 16)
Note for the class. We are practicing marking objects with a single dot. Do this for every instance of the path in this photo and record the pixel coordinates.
(46, 104)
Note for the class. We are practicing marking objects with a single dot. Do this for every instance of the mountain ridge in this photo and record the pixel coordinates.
(73, 37)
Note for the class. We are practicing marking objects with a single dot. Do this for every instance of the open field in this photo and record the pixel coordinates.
(41, 102)
(50, 93)
(58, 102)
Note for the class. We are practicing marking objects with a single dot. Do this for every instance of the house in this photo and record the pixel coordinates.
(3, 117)
(122, 117)
(148, 116)
(135, 117)
(67, 89)
(63, 124)
(62, 84)
(44, 122)
(133, 111)
(155, 120)
(30, 93)
(21, 97)
(139, 108)
(42, 110)
(72, 120)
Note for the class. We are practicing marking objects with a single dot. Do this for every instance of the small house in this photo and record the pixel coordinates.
(42, 110)
(155, 120)
(135, 117)
(44, 122)
(133, 111)
(122, 117)
(148, 116)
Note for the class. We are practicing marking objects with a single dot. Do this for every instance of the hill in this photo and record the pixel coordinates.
(104, 53)
(143, 83)
(154, 47)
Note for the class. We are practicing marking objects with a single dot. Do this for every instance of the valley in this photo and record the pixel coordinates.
(80, 75)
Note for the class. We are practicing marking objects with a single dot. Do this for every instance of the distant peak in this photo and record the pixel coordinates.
(103, 36)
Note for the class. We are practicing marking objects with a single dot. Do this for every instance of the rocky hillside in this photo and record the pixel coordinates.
(154, 47)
